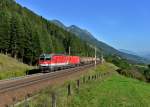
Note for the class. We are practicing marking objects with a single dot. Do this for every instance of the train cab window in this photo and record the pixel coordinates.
(42, 59)
(48, 58)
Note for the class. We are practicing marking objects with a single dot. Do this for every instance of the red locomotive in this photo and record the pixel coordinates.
(51, 62)
(56, 61)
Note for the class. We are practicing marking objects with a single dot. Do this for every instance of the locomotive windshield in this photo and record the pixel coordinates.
(41, 58)
(45, 57)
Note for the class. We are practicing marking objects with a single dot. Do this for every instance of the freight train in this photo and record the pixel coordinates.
(52, 62)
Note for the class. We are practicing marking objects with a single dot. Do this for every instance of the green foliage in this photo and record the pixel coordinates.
(147, 73)
(118, 61)
(25, 35)
(126, 68)
(113, 91)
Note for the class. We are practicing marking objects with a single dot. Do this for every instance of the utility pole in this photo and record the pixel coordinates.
(102, 59)
(68, 60)
(69, 51)
(95, 56)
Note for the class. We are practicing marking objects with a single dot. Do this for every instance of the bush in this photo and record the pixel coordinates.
(132, 72)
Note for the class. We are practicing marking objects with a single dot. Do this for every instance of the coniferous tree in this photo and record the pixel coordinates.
(4, 31)
(25, 35)
(15, 35)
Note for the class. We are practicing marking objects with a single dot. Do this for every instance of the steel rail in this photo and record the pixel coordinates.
(21, 83)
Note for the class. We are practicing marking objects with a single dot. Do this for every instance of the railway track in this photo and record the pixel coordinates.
(39, 78)
(13, 86)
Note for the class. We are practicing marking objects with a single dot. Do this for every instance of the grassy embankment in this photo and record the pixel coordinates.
(10, 67)
(116, 91)
(113, 91)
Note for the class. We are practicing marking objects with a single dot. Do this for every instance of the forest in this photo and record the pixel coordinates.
(24, 35)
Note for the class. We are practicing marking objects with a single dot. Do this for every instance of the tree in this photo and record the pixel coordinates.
(149, 66)
(16, 35)
(25, 35)
(36, 48)
(4, 31)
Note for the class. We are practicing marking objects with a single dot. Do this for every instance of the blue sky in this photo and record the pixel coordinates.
(123, 24)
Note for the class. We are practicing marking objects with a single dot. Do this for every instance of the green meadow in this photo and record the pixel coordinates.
(115, 91)
(111, 91)
(9, 67)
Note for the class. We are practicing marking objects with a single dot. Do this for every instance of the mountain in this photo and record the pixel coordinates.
(128, 52)
(58, 23)
(24, 35)
(106, 49)
(87, 36)
(145, 54)
(78, 31)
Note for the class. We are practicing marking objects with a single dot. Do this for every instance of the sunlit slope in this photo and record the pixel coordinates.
(116, 91)
(10, 67)
(106, 67)
(111, 90)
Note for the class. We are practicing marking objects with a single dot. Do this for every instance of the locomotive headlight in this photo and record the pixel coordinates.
(44, 64)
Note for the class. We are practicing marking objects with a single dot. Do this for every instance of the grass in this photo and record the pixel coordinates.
(106, 67)
(102, 68)
(10, 67)
(113, 91)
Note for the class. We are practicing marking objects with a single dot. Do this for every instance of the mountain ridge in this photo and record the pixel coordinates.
(141, 54)
(88, 37)
(24, 35)
(145, 55)
(128, 52)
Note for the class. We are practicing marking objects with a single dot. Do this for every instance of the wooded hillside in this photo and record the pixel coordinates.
(25, 35)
